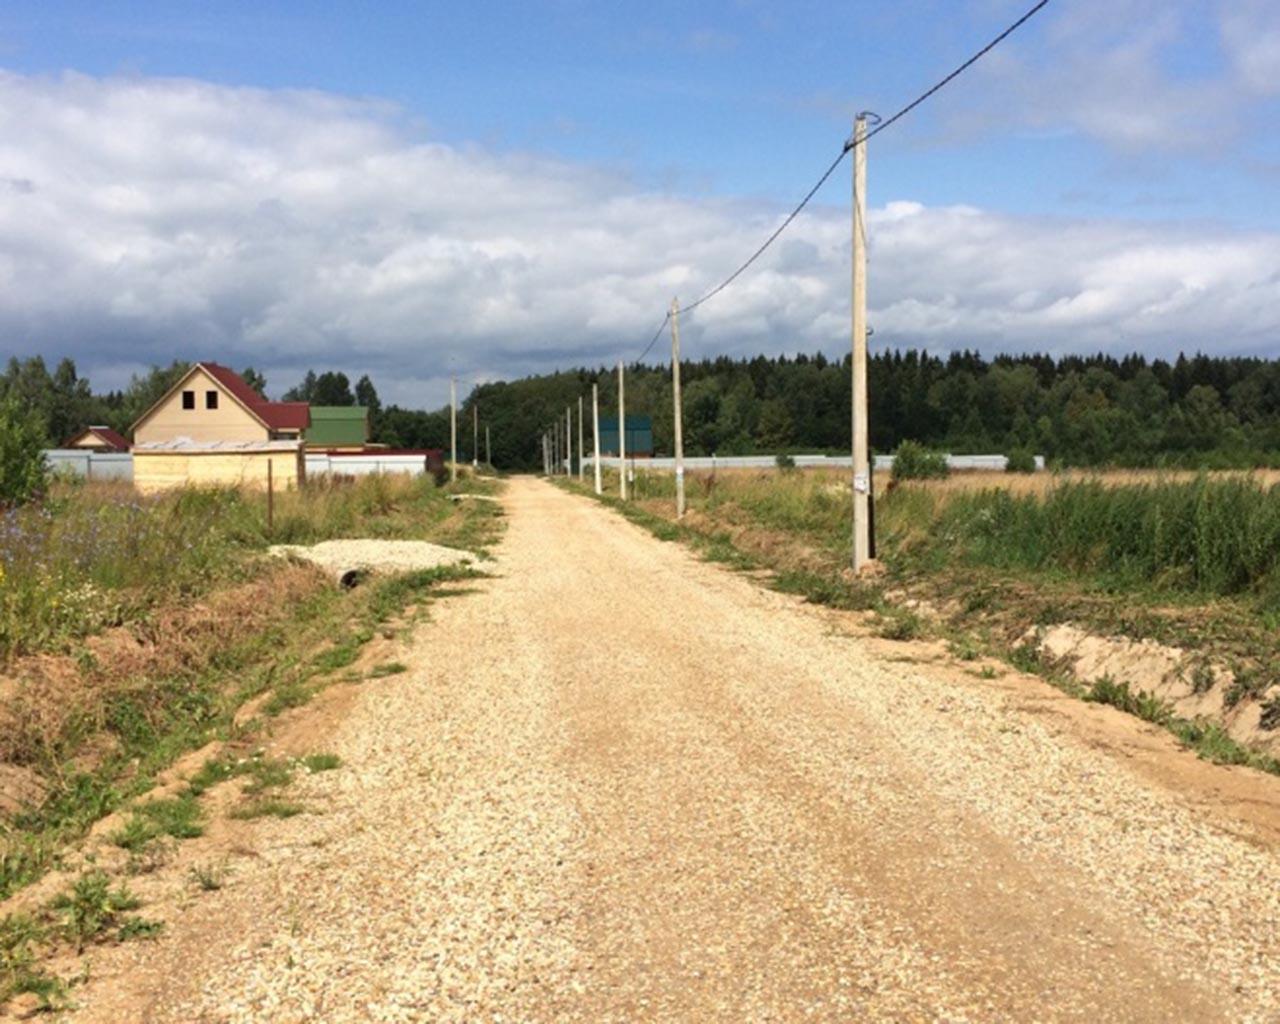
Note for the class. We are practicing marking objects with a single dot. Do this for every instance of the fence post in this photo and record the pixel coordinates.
(271, 498)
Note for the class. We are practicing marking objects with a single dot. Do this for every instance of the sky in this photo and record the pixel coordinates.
(487, 190)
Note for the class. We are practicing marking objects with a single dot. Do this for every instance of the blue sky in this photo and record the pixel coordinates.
(1132, 126)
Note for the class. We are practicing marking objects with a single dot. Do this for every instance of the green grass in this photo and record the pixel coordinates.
(321, 762)
(1144, 705)
(388, 668)
(1210, 537)
(179, 817)
(91, 907)
(267, 807)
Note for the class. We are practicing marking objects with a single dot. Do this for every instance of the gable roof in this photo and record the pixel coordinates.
(272, 415)
(104, 434)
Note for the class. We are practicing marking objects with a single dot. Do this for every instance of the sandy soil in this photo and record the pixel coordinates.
(651, 790)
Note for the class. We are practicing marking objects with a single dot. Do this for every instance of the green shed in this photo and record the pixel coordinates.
(338, 426)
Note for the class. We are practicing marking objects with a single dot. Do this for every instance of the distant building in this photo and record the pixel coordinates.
(211, 428)
(98, 439)
(639, 436)
(213, 404)
(338, 427)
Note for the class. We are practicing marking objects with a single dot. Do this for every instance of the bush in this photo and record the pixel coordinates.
(1020, 461)
(912, 461)
(785, 461)
(22, 467)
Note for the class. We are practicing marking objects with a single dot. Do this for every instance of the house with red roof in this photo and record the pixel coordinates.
(211, 404)
(98, 439)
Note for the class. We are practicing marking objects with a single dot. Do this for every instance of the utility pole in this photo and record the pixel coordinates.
(488, 455)
(582, 466)
(568, 441)
(546, 456)
(595, 433)
(678, 408)
(453, 429)
(622, 436)
(861, 461)
(475, 435)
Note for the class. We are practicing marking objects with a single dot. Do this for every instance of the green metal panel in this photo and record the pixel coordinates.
(338, 425)
(639, 435)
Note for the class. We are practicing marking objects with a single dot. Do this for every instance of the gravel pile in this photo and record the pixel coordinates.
(347, 559)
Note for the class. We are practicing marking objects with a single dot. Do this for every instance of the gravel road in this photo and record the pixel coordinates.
(649, 790)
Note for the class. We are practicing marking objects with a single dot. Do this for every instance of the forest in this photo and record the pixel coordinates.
(1076, 410)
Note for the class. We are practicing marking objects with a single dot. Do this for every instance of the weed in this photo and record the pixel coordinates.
(965, 648)
(208, 877)
(988, 672)
(178, 817)
(292, 694)
(135, 927)
(1144, 705)
(21, 937)
(91, 906)
(321, 762)
(899, 624)
(388, 668)
(1246, 682)
(1202, 678)
(267, 807)
(1026, 657)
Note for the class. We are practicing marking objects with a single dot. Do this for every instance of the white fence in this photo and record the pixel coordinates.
(960, 463)
(364, 463)
(90, 464)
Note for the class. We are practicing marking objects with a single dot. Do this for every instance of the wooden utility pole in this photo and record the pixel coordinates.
(595, 434)
(676, 405)
(488, 454)
(582, 451)
(475, 434)
(546, 456)
(622, 436)
(861, 460)
(453, 429)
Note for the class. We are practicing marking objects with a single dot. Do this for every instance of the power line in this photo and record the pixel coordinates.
(656, 335)
(849, 145)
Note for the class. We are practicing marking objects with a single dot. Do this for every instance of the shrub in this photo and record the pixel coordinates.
(912, 461)
(1020, 460)
(22, 467)
(785, 461)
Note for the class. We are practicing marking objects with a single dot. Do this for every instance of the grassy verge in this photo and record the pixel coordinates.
(1192, 562)
(199, 624)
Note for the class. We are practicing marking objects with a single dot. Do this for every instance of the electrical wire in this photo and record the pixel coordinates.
(656, 335)
(849, 145)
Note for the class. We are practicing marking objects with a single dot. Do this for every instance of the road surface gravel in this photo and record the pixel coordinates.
(619, 784)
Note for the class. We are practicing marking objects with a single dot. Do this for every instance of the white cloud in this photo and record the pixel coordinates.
(145, 219)
(1251, 37)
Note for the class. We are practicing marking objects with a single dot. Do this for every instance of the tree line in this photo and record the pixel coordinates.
(1076, 410)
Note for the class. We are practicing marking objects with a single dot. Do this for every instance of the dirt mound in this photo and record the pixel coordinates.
(1190, 685)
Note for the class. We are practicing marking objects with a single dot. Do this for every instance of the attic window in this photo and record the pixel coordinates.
(188, 399)
(211, 399)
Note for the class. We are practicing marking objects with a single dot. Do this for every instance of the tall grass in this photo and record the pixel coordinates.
(1214, 536)
(1207, 534)
(95, 555)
